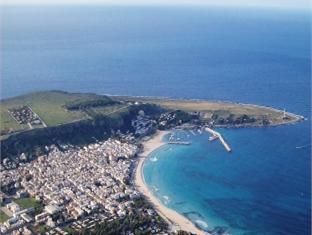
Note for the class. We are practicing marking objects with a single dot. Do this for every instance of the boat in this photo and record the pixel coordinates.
(213, 137)
(302, 146)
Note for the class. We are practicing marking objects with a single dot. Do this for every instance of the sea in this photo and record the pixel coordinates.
(247, 55)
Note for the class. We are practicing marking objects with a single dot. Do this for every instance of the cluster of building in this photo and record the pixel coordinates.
(165, 119)
(74, 185)
(142, 125)
(25, 115)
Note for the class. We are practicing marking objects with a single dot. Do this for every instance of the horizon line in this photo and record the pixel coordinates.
(159, 3)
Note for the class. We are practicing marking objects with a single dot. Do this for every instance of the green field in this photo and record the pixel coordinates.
(107, 110)
(50, 106)
(25, 203)
(28, 202)
(7, 122)
(3, 217)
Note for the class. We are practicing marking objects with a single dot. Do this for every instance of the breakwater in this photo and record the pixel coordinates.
(217, 135)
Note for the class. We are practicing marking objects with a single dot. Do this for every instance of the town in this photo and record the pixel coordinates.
(77, 188)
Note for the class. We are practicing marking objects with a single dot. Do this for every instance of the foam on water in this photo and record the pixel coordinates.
(166, 199)
(201, 223)
(153, 159)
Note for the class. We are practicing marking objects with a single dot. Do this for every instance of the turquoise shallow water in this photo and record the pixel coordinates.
(262, 187)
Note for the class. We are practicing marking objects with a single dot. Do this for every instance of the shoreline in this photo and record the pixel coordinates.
(297, 117)
(175, 220)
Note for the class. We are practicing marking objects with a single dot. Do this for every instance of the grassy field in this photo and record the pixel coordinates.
(108, 110)
(50, 106)
(3, 217)
(27, 202)
(7, 122)
(30, 202)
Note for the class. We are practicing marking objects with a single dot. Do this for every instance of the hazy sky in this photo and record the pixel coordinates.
(248, 3)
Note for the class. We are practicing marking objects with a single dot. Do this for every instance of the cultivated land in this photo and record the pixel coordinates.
(51, 107)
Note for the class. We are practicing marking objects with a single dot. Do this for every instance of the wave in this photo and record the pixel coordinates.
(166, 199)
(201, 223)
(154, 159)
(155, 188)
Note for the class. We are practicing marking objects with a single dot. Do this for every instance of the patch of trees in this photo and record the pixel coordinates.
(151, 110)
(132, 222)
(233, 119)
(136, 221)
(86, 104)
(182, 116)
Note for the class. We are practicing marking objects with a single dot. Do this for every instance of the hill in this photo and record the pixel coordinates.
(53, 107)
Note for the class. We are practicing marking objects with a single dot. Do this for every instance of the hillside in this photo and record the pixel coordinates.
(54, 108)
(31, 122)
(223, 110)
(57, 108)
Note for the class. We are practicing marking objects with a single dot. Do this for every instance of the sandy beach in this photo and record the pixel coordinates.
(175, 220)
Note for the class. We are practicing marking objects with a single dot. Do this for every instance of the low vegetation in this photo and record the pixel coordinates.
(48, 105)
(3, 217)
(40, 229)
(224, 112)
(136, 221)
(90, 102)
(25, 203)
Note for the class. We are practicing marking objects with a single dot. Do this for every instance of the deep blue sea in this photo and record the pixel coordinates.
(243, 55)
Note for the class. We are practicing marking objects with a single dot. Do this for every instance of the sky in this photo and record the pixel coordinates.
(306, 4)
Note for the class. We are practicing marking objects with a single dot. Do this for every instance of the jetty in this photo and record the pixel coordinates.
(217, 135)
(179, 142)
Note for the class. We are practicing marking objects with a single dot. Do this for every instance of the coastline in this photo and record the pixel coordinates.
(296, 117)
(175, 220)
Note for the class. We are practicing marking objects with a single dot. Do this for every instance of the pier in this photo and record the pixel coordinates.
(179, 142)
(217, 135)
